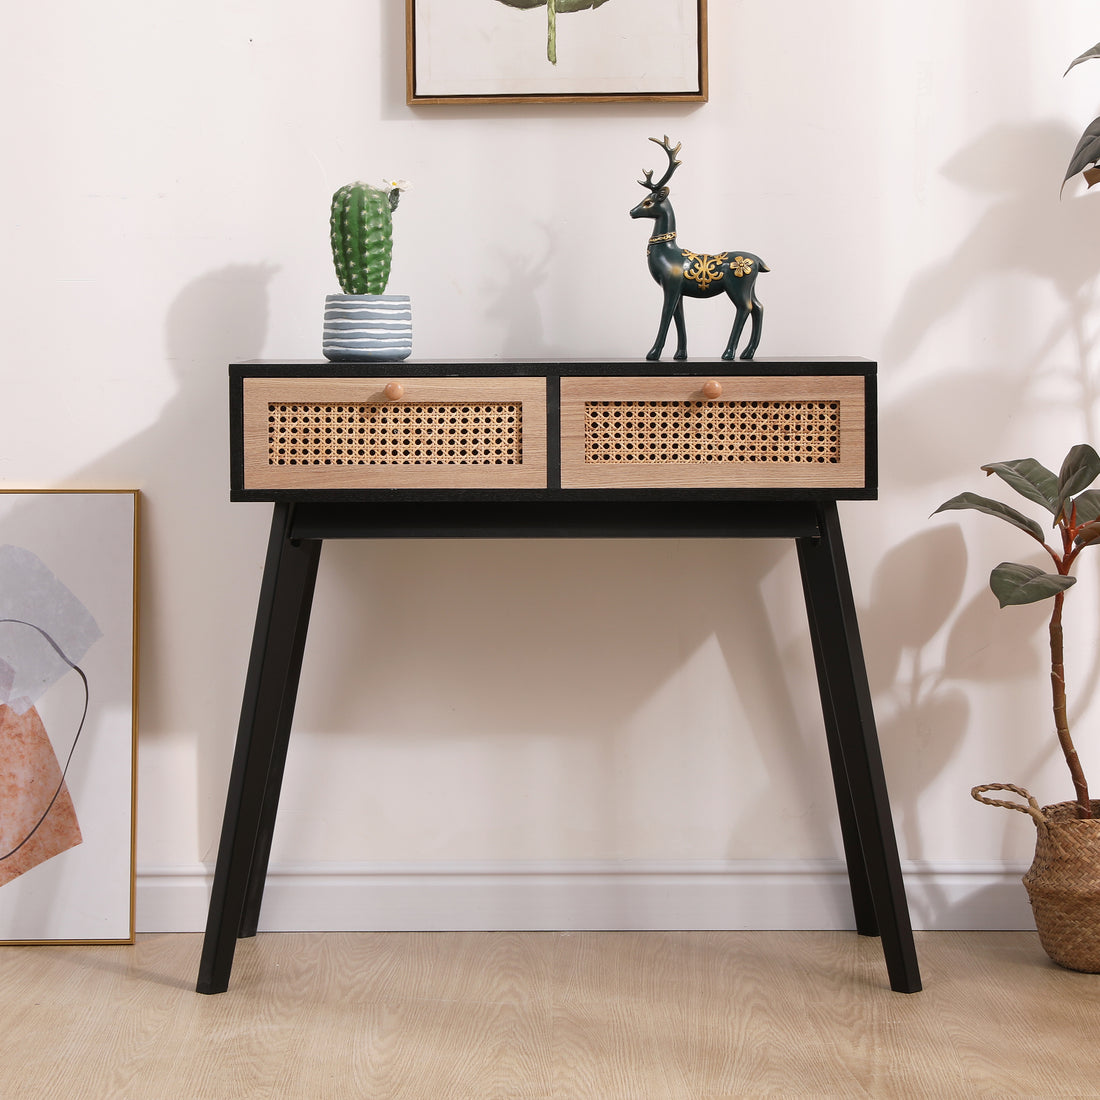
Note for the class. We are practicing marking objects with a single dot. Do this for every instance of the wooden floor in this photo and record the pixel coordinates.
(569, 1016)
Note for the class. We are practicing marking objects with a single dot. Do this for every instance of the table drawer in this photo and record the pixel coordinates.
(717, 432)
(393, 433)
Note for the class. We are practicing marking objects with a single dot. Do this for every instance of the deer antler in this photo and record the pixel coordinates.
(673, 164)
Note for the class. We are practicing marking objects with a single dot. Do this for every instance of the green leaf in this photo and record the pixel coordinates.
(1088, 506)
(1018, 584)
(1086, 56)
(1030, 479)
(1086, 152)
(993, 508)
(1079, 470)
(1090, 532)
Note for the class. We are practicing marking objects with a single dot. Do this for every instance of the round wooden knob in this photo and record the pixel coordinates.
(712, 389)
(394, 391)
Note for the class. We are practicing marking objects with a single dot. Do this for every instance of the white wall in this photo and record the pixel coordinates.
(470, 711)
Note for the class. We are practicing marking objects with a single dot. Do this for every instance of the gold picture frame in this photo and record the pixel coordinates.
(555, 51)
(68, 714)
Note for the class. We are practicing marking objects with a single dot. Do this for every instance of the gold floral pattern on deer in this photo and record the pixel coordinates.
(741, 266)
(704, 269)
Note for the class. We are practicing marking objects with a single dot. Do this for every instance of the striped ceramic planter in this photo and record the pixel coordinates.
(367, 326)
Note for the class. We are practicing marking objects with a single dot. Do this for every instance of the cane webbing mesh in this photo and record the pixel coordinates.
(794, 432)
(395, 433)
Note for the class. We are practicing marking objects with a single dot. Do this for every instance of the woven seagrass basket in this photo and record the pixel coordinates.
(1063, 881)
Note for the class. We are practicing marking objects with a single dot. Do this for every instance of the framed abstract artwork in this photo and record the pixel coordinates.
(529, 51)
(68, 614)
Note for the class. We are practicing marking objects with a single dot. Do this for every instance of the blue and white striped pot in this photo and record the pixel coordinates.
(367, 326)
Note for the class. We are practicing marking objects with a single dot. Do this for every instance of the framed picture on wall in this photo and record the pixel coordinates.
(525, 51)
(68, 614)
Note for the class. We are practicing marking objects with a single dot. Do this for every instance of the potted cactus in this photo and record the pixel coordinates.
(364, 322)
(1063, 882)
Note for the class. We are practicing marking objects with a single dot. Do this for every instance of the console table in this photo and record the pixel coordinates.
(602, 448)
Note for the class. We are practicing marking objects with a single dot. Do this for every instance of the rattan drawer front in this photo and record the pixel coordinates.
(766, 432)
(421, 433)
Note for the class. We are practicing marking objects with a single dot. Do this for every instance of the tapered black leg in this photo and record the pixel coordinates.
(286, 595)
(853, 741)
(304, 574)
(862, 902)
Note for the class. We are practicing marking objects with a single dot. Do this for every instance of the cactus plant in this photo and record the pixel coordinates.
(362, 236)
(365, 322)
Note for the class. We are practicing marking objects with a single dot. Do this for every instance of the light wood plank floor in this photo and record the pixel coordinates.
(534, 1016)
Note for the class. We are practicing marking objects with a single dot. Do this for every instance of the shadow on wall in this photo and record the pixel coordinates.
(777, 689)
(1029, 252)
(216, 318)
(922, 711)
(544, 667)
(1026, 232)
(185, 453)
(198, 543)
(513, 299)
(181, 464)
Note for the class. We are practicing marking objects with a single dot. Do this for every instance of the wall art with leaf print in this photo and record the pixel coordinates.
(543, 50)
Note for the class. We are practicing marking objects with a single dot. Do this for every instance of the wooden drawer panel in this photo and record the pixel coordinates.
(351, 433)
(767, 432)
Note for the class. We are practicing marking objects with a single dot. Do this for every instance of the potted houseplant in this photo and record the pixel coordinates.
(364, 322)
(1063, 882)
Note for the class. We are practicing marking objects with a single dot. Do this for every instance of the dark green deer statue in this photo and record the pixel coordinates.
(683, 274)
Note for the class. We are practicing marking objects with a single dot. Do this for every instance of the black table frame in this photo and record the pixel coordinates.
(298, 530)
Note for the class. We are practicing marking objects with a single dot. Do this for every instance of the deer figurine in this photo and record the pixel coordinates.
(683, 274)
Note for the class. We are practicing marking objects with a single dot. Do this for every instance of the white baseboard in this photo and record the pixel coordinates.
(584, 895)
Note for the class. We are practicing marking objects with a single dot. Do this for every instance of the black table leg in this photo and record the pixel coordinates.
(282, 619)
(878, 890)
(303, 555)
(858, 883)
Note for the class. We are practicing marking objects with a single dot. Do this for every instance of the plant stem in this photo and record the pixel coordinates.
(1061, 720)
(551, 32)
